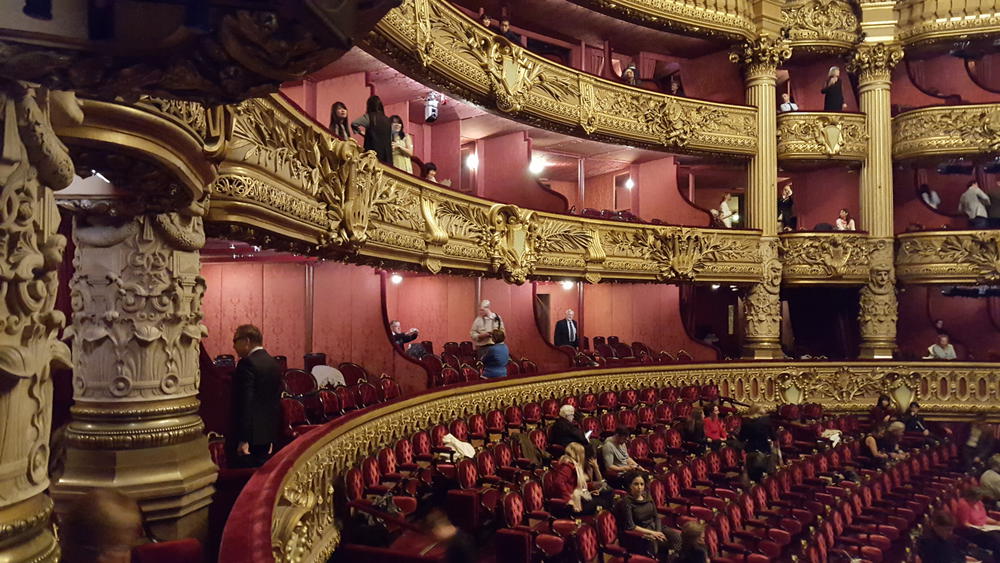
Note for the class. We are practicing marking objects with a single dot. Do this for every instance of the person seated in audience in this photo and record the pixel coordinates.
(486, 20)
(505, 30)
(564, 431)
(939, 327)
(844, 221)
(942, 349)
(938, 544)
(102, 526)
(915, 423)
(882, 444)
(340, 125)
(257, 398)
(400, 338)
(616, 459)
(980, 444)
(929, 196)
(692, 543)
(637, 512)
(327, 376)
(676, 88)
(716, 434)
(570, 483)
(431, 175)
(630, 75)
(882, 412)
(787, 104)
(990, 479)
(693, 430)
(970, 516)
(496, 357)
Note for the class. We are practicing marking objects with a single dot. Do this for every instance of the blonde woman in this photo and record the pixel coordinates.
(571, 485)
(833, 91)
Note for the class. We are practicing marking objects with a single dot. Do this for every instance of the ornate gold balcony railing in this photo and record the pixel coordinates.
(925, 21)
(826, 257)
(819, 136)
(727, 19)
(946, 130)
(293, 494)
(437, 44)
(948, 257)
(821, 26)
(278, 179)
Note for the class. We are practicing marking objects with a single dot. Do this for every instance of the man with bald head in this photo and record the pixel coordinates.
(482, 328)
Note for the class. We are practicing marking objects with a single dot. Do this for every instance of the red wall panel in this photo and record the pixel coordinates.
(284, 308)
(808, 80)
(503, 173)
(821, 194)
(659, 197)
(966, 319)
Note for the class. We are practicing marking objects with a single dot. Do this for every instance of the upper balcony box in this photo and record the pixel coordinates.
(727, 19)
(932, 21)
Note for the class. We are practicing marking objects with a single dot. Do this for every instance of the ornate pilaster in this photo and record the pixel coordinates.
(136, 331)
(873, 63)
(33, 162)
(760, 58)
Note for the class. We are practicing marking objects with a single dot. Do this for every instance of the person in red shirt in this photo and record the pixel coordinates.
(569, 483)
(715, 428)
(970, 514)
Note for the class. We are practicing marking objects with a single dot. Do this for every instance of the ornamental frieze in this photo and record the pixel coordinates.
(825, 257)
(946, 130)
(681, 253)
(727, 19)
(821, 136)
(922, 22)
(827, 26)
(943, 257)
(436, 43)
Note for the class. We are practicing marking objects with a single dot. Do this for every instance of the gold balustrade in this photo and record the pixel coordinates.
(927, 21)
(434, 42)
(946, 130)
(822, 136)
(303, 522)
(841, 258)
(726, 19)
(948, 257)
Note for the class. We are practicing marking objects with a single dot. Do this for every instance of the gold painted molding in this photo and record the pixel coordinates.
(826, 258)
(726, 19)
(434, 42)
(303, 526)
(948, 257)
(933, 21)
(946, 130)
(821, 26)
(812, 135)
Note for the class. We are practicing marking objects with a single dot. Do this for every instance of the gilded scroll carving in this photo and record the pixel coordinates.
(804, 135)
(818, 25)
(762, 307)
(33, 162)
(923, 22)
(875, 61)
(972, 257)
(844, 385)
(731, 20)
(947, 130)
(437, 43)
(761, 55)
(678, 253)
(822, 257)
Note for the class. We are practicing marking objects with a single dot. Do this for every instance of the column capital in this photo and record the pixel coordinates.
(875, 61)
(761, 56)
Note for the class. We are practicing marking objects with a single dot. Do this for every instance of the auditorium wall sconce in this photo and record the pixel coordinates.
(629, 184)
(715, 286)
(537, 165)
(567, 284)
(396, 279)
(472, 161)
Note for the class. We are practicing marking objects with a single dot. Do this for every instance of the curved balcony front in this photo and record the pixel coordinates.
(936, 131)
(815, 136)
(725, 19)
(821, 26)
(948, 257)
(828, 258)
(435, 43)
(284, 182)
(282, 498)
(933, 21)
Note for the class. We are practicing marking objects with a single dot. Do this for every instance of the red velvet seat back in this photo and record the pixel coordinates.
(467, 474)
(629, 418)
(657, 444)
(348, 401)
(421, 443)
(495, 421)
(591, 424)
(533, 496)
(664, 413)
(570, 400)
(513, 509)
(389, 388)
(649, 396)
(608, 400)
(513, 369)
(528, 367)
(404, 452)
(607, 527)
(387, 461)
(587, 546)
(297, 382)
(477, 425)
(366, 393)
(608, 422)
(690, 393)
(460, 429)
(669, 395)
(450, 376)
(503, 454)
(438, 432)
(331, 404)
(539, 439)
(514, 416)
(486, 463)
(628, 398)
(532, 413)
(638, 448)
(353, 373)
(550, 408)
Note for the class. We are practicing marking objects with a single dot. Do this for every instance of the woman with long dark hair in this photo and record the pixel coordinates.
(339, 123)
(374, 125)
(402, 145)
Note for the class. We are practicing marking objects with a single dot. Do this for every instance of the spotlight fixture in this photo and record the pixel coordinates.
(715, 286)
(396, 279)
(537, 165)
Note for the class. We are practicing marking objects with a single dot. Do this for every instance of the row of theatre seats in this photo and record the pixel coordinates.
(612, 352)
(458, 364)
(806, 510)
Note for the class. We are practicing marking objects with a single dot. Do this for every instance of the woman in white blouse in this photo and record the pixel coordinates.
(845, 222)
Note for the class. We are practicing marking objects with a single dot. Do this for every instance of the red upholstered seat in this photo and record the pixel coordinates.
(528, 367)
(187, 550)
(366, 393)
(649, 396)
(331, 404)
(348, 400)
(664, 357)
(607, 538)
(459, 429)
(588, 403)
(293, 419)
(669, 395)
(607, 400)
(297, 382)
(477, 427)
(514, 418)
(550, 409)
(513, 369)
(683, 357)
(353, 373)
(388, 388)
(450, 376)
(532, 413)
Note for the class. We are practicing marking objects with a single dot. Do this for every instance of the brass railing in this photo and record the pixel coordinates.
(293, 494)
(434, 42)
(813, 135)
(946, 130)
(922, 21)
(948, 257)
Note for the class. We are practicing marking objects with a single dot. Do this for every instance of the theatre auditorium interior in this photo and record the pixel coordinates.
(499, 281)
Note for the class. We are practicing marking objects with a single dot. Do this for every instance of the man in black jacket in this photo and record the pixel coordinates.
(257, 398)
(564, 431)
(567, 331)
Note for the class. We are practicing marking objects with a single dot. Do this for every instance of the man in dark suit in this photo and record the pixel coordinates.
(567, 331)
(257, 398)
